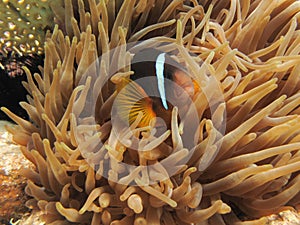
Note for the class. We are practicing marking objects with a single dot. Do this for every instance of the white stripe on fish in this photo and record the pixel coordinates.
(159, 66)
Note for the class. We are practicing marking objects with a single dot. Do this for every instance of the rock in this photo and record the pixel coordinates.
(12, 183)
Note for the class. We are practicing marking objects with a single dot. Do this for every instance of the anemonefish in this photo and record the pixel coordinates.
(158, 84)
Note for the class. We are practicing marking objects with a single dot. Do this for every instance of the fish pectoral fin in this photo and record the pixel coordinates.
(128, 86)
(196, 86)
(132, 99)
(145, 107)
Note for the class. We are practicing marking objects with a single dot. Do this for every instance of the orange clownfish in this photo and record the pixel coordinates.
(158, 84)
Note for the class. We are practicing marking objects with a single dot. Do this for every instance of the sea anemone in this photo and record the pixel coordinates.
(244, 164)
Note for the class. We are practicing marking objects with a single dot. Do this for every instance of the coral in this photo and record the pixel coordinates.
(23, 24)
(247, 50)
